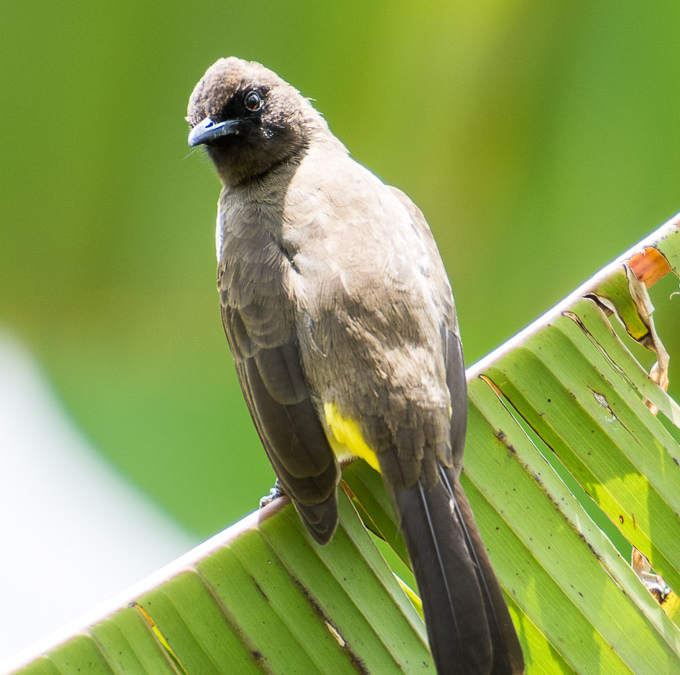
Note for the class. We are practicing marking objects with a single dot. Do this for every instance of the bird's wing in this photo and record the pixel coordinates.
(457, 385)
(266, 354)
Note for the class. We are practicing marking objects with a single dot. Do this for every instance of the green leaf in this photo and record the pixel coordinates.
(562, 435)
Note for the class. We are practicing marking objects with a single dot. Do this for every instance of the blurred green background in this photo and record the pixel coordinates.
(540, 139)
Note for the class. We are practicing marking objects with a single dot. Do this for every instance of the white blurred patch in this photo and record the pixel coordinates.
(73, 531)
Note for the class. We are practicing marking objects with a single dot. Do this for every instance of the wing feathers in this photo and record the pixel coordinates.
(280, 403)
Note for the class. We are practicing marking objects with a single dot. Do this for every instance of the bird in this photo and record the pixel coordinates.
(343, 330)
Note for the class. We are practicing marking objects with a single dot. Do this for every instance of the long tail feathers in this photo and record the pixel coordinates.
(468, 623)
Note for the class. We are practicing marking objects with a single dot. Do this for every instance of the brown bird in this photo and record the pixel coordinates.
(342, 325)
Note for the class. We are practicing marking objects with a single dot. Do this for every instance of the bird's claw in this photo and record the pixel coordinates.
(276, 492)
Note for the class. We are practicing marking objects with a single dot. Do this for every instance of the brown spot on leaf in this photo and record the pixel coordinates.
(649, 266)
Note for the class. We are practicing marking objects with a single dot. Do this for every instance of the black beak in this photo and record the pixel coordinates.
(207, 131)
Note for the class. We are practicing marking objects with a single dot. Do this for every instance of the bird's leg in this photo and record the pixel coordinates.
(276, 492)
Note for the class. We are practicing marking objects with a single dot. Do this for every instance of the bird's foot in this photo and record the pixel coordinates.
(276, 492)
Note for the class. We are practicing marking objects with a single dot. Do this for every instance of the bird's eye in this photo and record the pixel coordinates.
(252, 101)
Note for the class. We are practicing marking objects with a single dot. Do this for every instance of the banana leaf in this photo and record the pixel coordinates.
(574, 477)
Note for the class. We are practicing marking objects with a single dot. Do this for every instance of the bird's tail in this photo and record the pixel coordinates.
(468, 623)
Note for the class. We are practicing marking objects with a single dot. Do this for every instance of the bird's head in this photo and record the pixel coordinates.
(249, 119)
